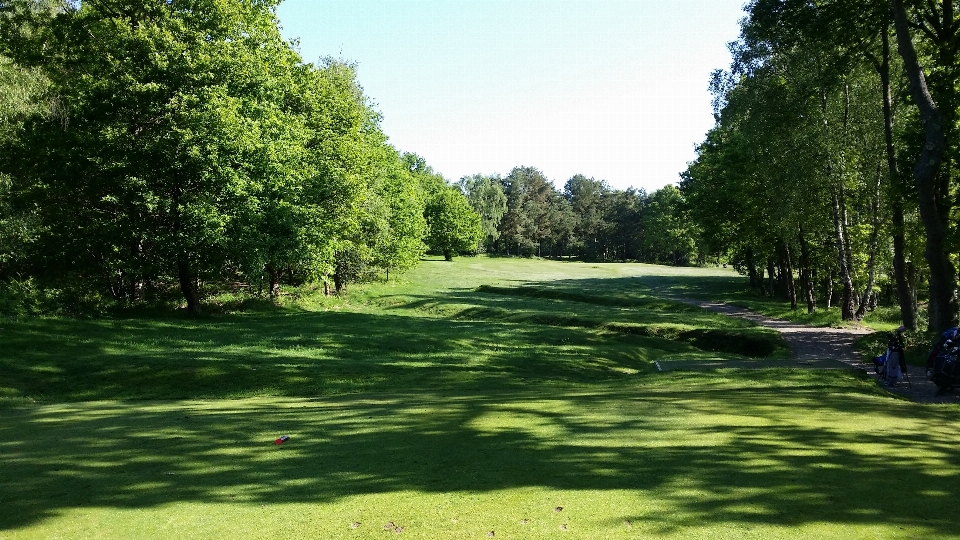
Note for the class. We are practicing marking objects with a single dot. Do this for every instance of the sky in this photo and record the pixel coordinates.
(614, 90)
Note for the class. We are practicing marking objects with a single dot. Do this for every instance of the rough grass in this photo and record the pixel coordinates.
(453, 411)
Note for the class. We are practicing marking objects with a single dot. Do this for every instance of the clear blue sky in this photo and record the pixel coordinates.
(616, 90)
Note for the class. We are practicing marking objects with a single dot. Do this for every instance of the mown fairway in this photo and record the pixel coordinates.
(466, 399)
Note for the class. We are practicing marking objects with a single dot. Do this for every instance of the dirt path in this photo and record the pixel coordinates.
(807, 343)
(823, 348)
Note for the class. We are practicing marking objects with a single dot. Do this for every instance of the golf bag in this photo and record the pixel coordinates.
(946, 367)
(891, 366)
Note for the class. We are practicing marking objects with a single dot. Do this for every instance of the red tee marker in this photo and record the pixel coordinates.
(282, 440)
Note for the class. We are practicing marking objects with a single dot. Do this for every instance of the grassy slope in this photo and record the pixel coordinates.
(455, 411)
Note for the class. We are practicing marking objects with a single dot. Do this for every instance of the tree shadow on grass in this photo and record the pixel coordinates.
(300, 354)
(569, 330)
(711, 287)
(773, 450)
(624, 305)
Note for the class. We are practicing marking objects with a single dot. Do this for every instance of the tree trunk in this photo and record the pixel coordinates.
(771, 289)
(136, 278)
(781, 273)
(188, 284)
(785, 274)
(847, 307)
(847, 249)
(934, 205)
(760, 281)
(274, 282)
(828, 289)
(806, 273)
(867, 300)
(906, 295)
(755, 282)
(791, 286)
(447, 255)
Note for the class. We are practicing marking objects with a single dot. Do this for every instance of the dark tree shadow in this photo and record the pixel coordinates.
(762, 471)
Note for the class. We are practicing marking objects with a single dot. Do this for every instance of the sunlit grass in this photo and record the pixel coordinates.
(777, 453)
(464, 398)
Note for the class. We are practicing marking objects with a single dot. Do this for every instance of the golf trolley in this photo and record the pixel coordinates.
(946, 368)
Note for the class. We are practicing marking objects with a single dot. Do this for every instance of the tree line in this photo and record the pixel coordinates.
(833, 163)
(164, 147)
(524, 214)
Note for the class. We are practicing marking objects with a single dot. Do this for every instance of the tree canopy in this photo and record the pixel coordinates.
(801, 175)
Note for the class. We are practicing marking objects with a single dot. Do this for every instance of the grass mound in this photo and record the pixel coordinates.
(757, 343)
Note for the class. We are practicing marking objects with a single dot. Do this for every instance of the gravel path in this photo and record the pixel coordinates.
(824, 348)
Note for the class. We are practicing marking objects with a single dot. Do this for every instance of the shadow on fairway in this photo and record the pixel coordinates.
(570, 330)
(300, 354)
(702, 467)
(625, 305)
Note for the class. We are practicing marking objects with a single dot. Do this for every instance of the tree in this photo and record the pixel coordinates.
(485, 194)
(932, 172)
(668, 235)
(526, 222)
(799, 156)
(454, 227)
(395, 225)
(588, 200)
(21, 99)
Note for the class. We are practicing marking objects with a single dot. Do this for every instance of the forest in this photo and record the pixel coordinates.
(831, 174)
(154, 149)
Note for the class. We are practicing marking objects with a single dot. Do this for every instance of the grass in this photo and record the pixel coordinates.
(436, 329)
(464, 399)
(721, 288)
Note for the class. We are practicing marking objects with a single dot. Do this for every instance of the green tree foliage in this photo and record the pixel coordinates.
(187, 142)
(669, 237)
(21, 98)
(588, 219)
(589, 200)
(485, 194)
(394, 224)
(454, 227)
(525, 224)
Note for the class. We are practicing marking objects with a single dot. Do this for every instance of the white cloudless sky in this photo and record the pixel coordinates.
(611, 89)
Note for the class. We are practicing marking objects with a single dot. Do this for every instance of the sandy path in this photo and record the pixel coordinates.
(806, 342)
(821, 348)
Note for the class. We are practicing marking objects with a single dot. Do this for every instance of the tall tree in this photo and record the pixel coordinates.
(191, 142)
(588, 199)
(932, 171)
(453, 226)
(485, 194)
(526, 222)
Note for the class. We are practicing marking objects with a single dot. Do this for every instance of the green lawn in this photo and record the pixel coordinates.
(465, 398)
